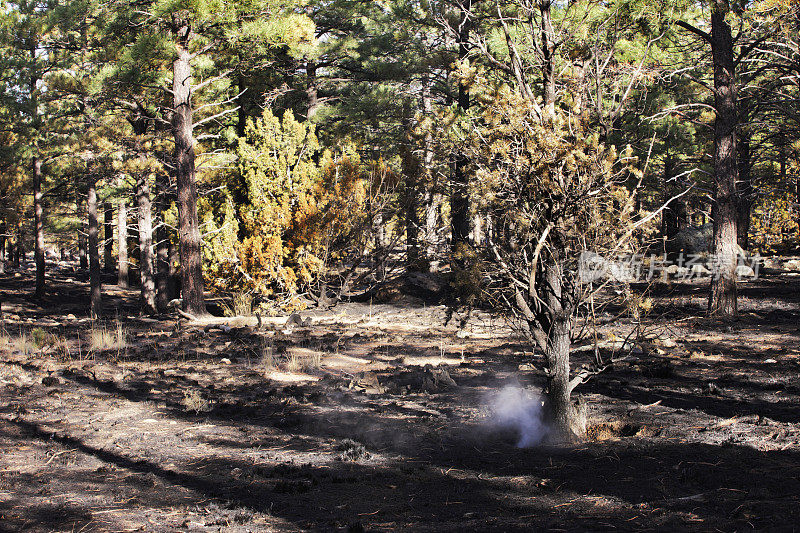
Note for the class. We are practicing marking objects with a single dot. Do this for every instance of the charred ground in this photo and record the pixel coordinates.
(342, 426)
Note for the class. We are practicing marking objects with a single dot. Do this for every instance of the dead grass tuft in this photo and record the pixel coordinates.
(614, 430)
(194, 401)
(303, 360)
(352, 451)
(105, 338)
(22, 343)
(241, 305)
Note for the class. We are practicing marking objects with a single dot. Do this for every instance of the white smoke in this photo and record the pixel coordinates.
(514, 408)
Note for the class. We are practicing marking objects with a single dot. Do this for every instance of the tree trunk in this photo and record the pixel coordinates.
(39, 226)
(148, 286)
(3, 240)
(432, 198)
(36, 169)
(18, 244)
(411, 172)
(744, 196)
(241, 113)
(459, 195)
(188, 224)
(173, 262)
(722, 298)
(164, 292)
(122, 245)
(82, 232)
(379, 232)
(433, 203)
(134, 255)
(783, 176)
(548, 64)
(581, 102)
(108, 238)
(560, 413)
(96, 306)
(477, 229)
(673, 218)
(412, 222)
(312, 91)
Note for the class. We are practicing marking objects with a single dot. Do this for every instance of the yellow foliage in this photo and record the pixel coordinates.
(774, 222)
(302, 208)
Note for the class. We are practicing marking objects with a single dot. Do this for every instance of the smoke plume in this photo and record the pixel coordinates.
(516, 409)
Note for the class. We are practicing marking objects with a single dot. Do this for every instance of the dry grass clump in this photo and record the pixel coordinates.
(37, 340)
(613, 430)
(29, 342)
(22, 343)
(194, 401)
(105, 338)
(241, 305)
(352, 451)
(303, 360)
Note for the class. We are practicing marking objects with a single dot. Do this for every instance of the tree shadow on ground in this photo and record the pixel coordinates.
(463, 483)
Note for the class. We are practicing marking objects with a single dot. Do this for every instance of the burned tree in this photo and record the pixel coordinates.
(554, 193)
(722, 299)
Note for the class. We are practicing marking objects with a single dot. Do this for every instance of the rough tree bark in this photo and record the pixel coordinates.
(96, 302)
(379, 232)
(144, 234)
(673, 218)
(411, 210)
(39, 226)
(189, 227)
(312, 90)
(82, 231)
(19, 245)
(548, 60)
(173, 278)
(722, 298)
(122, 244)
(581, 103)
(560, 412)
(148, 286)
(744, 194)
(459, 195)
(108, 238)
(164, 293)
(432, 198)
(36, 169)
(783, 163)
(3, 242)
(411, 191)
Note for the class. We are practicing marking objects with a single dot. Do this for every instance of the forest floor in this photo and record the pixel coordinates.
(339, 425)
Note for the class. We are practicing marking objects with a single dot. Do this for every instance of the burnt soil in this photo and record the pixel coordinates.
(338, 427)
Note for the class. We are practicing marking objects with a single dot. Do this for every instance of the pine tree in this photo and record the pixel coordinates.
(187, 32)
